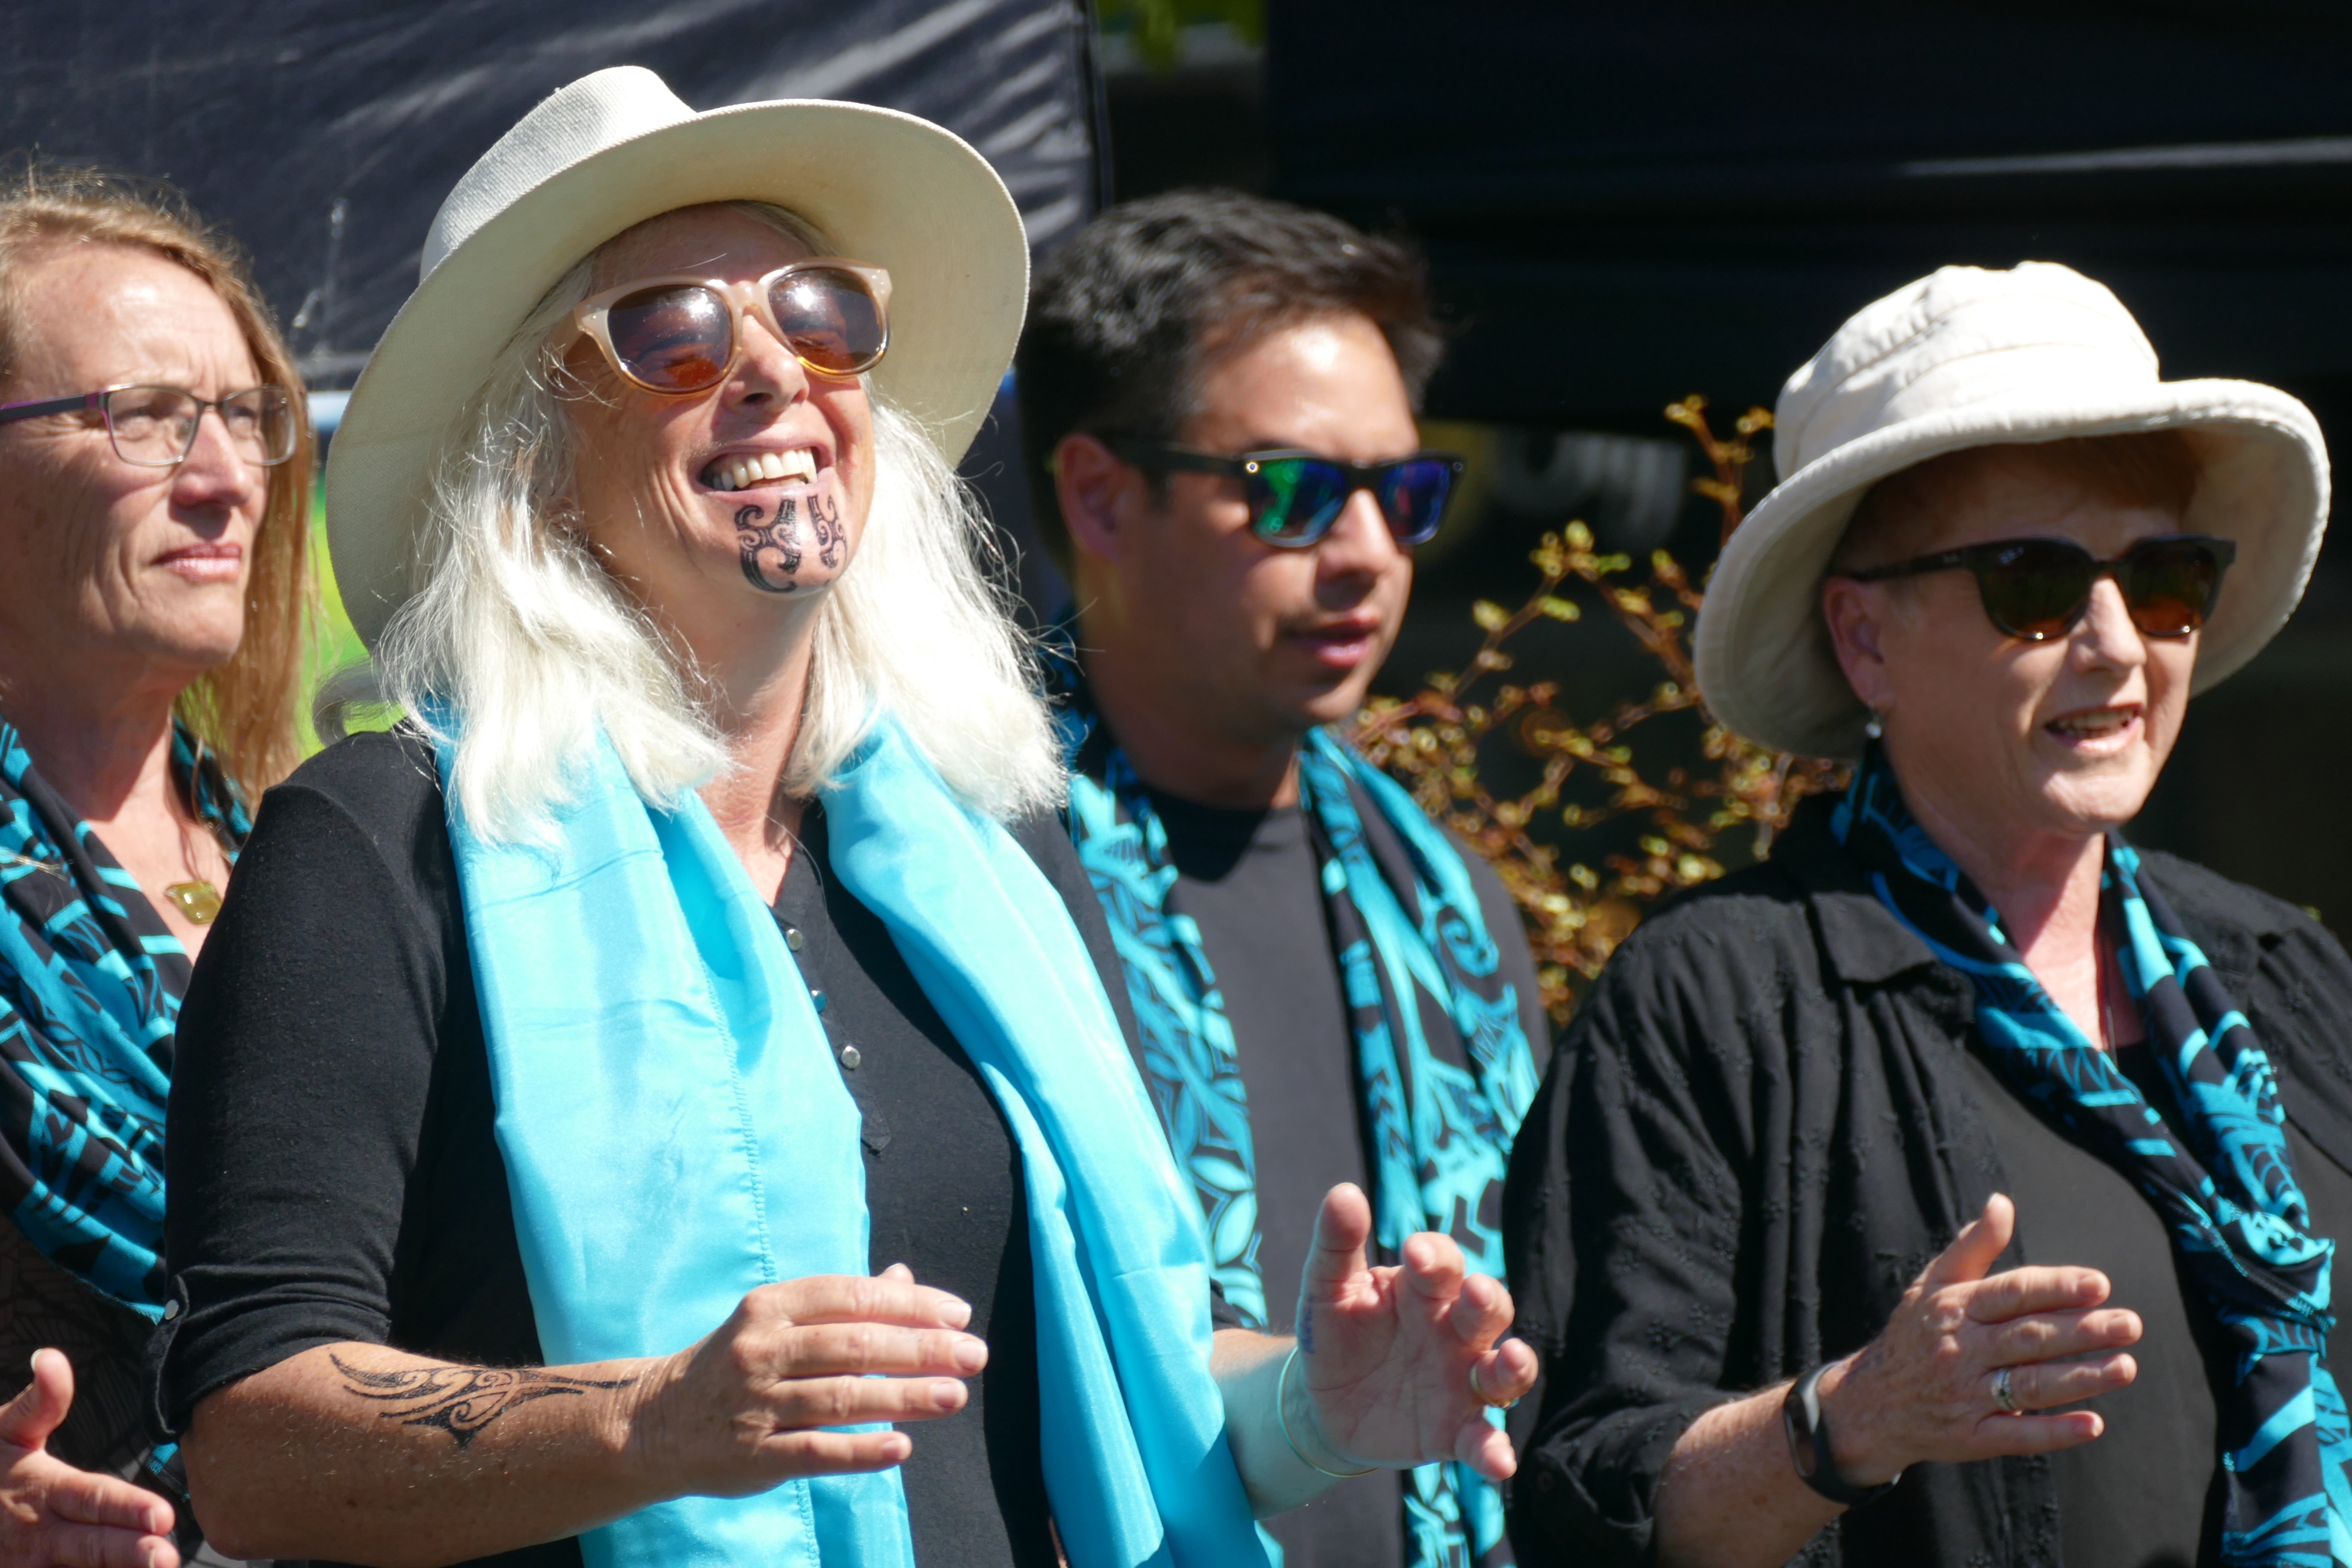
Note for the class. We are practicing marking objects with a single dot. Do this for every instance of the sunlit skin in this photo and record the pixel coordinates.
(1210, 651)
(664, 530)
(2016, 757)
(121, 585)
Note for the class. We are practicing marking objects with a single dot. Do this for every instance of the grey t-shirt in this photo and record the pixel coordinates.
(1249, 880)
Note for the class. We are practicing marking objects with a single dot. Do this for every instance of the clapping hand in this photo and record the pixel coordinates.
(1400, 1366)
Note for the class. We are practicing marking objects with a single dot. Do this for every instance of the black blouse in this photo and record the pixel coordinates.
(1762, 1125)
(334, 1174)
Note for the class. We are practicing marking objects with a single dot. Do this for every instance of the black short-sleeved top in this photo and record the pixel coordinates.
(334, 1174)
(1251, 881)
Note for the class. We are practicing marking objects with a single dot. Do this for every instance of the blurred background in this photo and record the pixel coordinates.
(1624, 204)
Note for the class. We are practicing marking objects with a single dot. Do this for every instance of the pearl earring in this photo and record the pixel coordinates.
(1873, 729)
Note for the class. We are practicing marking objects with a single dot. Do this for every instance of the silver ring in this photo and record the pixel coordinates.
(2002, 1393)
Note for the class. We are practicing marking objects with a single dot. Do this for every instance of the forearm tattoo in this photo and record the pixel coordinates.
(460, 1400)
(773, 552)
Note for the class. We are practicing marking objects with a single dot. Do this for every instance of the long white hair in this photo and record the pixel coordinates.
(520, 629)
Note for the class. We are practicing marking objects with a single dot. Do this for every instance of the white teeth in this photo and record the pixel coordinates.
(760, 467)
(2093, 722)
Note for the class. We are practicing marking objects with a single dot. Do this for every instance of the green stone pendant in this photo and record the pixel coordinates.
(200, 902)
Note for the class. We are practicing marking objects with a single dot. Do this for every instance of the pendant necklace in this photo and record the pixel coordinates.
(197, 900)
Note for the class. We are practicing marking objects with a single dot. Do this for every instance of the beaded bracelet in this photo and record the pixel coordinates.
(1281, 1419)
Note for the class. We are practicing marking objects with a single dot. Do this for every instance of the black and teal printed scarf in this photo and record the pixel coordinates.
(2224, 1181)
(1444, 1068)
(90, 983)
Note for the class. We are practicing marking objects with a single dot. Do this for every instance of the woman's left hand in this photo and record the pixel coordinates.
(52, 1514)
(1400, 1365)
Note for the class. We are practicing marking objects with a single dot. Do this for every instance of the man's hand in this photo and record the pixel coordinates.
(54, 1516)
(1400, 1365)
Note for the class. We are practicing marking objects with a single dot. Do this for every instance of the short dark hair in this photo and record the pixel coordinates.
(1125, 314)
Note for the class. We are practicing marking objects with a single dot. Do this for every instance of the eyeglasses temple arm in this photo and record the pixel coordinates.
(1917, 567)
(1166, 456)
(12, 411)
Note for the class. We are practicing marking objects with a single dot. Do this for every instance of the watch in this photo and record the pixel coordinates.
(1809, 1445)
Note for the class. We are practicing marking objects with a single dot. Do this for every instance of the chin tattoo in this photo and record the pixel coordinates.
(772, 552)
(826, 523)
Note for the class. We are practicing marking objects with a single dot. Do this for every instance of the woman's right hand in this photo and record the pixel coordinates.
(55, 1516)
(1926, 1388)
(748, 1405)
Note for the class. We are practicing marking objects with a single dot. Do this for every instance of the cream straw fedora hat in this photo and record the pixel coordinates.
(609, 151)
(1968, 357)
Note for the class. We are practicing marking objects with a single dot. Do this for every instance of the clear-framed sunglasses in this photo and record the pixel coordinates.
(678, 335)
(155, 426)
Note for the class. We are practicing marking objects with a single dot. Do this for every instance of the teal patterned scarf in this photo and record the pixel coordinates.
(2225, 1184)
(1444, 1068)
(90, 981)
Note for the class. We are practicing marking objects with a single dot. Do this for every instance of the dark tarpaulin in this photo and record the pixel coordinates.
(1627, 203)
(324, 134)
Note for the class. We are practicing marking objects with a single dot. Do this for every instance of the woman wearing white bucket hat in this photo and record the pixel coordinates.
(1876, 1162)
(706, 939)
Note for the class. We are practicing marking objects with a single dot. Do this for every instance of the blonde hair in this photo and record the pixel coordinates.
(245, 710)
(519, 627)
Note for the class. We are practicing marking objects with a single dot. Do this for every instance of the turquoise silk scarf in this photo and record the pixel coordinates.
(1443, 1068)
(677, 1134)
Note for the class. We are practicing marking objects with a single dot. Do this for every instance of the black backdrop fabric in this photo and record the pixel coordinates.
(324, 134)
(1626, 202)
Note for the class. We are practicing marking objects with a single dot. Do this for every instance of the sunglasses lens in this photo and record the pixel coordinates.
(2169, 585)
(672, 338)
(1294, 500)
(831, 319)
(1414, 496)
(2036, 588)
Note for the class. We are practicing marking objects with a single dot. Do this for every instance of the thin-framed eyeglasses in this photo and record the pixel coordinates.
(1296, 497)
(2036, 589)
(678, 335)
(155, 426)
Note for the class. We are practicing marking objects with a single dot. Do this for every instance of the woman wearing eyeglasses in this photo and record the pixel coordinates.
(678, 1057)
(154, 480)
(1962, 1186)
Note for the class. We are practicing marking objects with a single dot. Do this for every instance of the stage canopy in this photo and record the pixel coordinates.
(324, 134)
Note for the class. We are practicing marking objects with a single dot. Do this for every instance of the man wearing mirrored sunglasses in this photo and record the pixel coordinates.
(1218, 396)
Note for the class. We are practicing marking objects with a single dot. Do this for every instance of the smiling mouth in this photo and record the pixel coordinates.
(2094, 723)
(748, 471)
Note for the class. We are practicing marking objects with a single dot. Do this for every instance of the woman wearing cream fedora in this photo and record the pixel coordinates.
(1958, 1187)
(612, 1102)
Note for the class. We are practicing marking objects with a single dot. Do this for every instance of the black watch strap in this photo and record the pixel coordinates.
(1809, 1445)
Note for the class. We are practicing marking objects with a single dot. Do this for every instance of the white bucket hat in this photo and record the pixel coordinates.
(609, 151)
(1968, 357)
